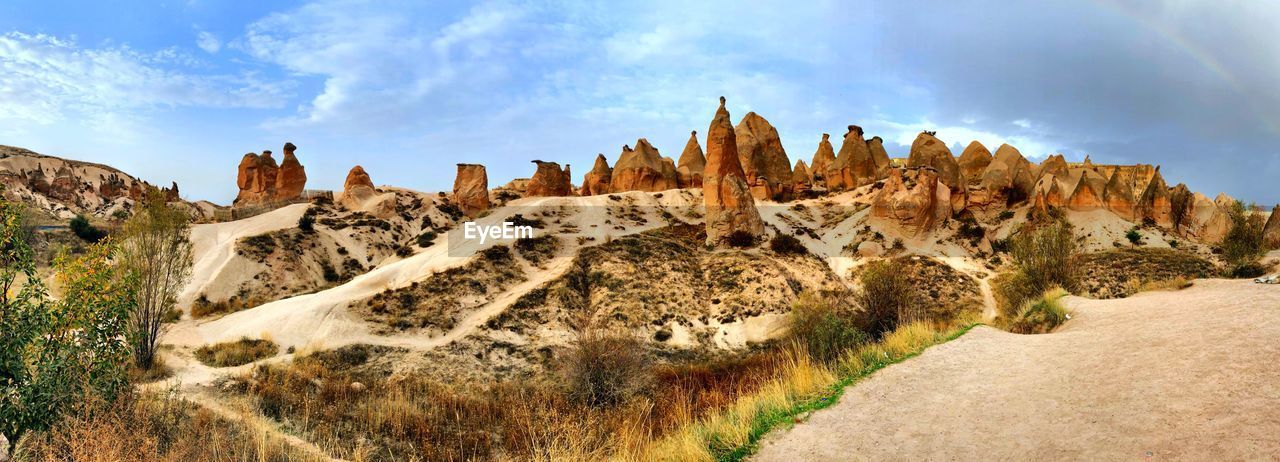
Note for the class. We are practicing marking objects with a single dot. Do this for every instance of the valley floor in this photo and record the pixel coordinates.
(1192, 374)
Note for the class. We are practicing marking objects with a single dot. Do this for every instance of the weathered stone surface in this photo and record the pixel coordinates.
(764, 161)
(471, 189)
(854, 166)
(1054, 165)
(801, 179)
(262, 181)
(729, 205)
(1207, 221)
(597, 180)
(973, 162)
(692, 163)
(549, 181)
(1088, 191)
(291, 178)
(822, 160)
(641, 169)
(929, 151)
(1008, 179)
(1154, 203)
(358, 187)
(914, 197)
(1271, 231)
(879, 156)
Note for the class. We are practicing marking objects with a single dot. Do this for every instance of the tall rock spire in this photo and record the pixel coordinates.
(730, 207)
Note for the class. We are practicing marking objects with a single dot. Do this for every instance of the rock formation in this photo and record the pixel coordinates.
(854, 165)
(262, 181)
(822, 160)
(291, 178)
(1008, 180)
(879, 156)
(357, 188)
(801, 179)
(729, 205)
(549, 181)
(1154, 203)
(692, 163)
(1088, 191)
(641, 169)
(973, 162)
(597, 180)
(471, 189)
(914, 197)
(764, 161)
(929, 151)
(1271, 231)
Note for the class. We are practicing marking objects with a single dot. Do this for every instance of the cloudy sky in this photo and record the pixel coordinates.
(180, 90)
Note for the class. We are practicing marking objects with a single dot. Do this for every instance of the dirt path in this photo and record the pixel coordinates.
(1189, 375)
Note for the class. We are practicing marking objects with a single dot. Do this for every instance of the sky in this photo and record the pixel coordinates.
(181, 90)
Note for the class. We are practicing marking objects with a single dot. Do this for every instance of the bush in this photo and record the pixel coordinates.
(824, 331)
(603, 370)
(308, 222)
(1247, 271)
(1005, 215)
(1133, 236)
(427, 238)
(1044, 257)
(1243, 244)
(1040, 315)
(81, 227)
(237, 353)
(741, 239)
(886, 297)
(787, 244)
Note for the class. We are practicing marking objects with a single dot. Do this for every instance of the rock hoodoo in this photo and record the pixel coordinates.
(262, 181)
(973, 163)
(471, 189)
(801, 180)
(1271, 231)
(729, 205)
(549, 181)
(358, 188)
(929, 151)
(854, 165)
(597, 180)
(642, 169)
(692, 163)
(764, 161)
(914, 197)
(822, 160)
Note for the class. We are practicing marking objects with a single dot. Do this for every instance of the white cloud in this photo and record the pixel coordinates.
(905, 133)
(208, 42)
(45, 79)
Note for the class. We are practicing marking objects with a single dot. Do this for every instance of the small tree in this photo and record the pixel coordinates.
(53, 355)
(1243, 243)
(157, 249)
(886, 297)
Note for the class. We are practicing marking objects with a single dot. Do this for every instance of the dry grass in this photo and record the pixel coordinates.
(154, 427)
(237, 353)
(1040, 315)
(1123, 272)
(1176, 283)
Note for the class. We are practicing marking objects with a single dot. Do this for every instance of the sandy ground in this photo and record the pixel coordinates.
(1188, 375)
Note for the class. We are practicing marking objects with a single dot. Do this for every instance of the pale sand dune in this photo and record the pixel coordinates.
(1189, 375)
(214, 245)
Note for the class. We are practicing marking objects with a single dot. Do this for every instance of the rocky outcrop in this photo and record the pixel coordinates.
(597, 180)
(692, 163)
(358, 188)
(1008, 180)
(973, 163)
(725, 194)
(929, 151)
(641, 169)
(471, 189)
(549, 181)
(1271, 231)
(291, 178)
(1154, 204)
(764, 161)
(916, 198)
(262, 181)
(822, 160)
(854, 166)
(801, 179)
(1088, 191)
(879, 157)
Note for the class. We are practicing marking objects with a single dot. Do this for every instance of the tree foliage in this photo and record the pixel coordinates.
(157, 250)
(56, 353)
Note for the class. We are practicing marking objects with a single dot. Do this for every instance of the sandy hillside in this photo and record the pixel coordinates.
(1189, 375)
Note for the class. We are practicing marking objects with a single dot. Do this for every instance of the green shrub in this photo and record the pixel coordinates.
(824, 331)
(1247, 271)
(787, 244)
(427, 238)
(886, 298)
(1243, 245)
(1044, 257)
(81, 227)
(308, 222)
(239, 352)
(1133, 236)
(1041, 314)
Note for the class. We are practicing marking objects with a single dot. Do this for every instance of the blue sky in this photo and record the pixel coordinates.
(181, 90)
